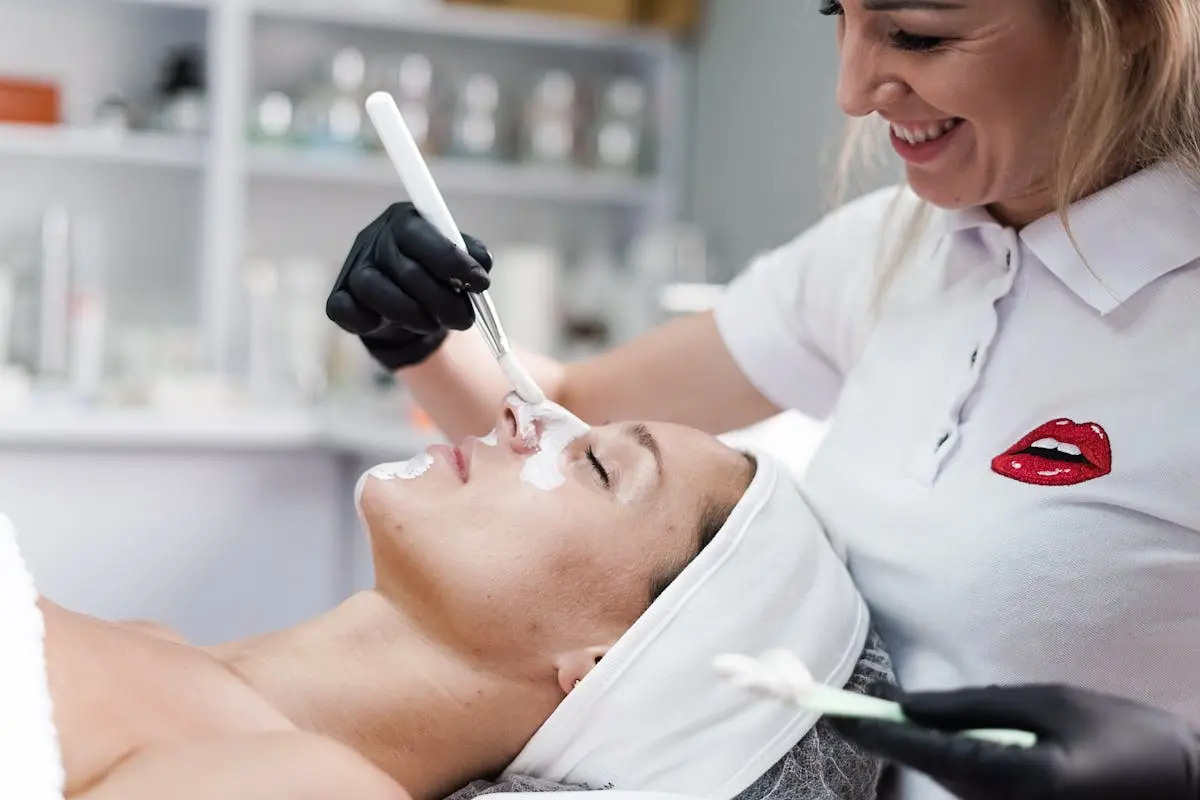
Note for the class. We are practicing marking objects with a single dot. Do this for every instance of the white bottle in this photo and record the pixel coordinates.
(87, 311)
(526, 290)
(263, 379)
(14, 382)
(54, 294)
(8, 294)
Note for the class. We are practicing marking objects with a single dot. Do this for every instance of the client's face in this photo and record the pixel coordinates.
(546, 539)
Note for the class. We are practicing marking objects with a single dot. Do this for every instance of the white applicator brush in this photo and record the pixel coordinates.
(780, 674)
(418, 182)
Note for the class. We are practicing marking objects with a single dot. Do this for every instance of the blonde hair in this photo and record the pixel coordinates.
(1131, 104)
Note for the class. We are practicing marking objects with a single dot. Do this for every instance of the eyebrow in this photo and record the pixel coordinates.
(912, 5)
(644, 438)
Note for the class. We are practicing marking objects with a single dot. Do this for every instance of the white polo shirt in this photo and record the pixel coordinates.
(1013, 454)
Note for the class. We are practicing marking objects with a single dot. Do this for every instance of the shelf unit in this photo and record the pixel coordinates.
(237, 166)
(230, 171)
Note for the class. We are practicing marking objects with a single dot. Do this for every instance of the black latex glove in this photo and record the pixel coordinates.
(1090, 746)
(403, 287)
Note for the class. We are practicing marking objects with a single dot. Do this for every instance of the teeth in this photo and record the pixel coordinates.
(926, 133)
(1054, 444)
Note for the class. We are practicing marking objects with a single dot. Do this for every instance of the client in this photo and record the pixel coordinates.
(547, 604)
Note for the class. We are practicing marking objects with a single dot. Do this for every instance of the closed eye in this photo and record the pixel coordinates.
(600, 471)
(912, 42)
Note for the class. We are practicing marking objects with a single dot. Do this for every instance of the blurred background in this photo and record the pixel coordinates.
(180, 427)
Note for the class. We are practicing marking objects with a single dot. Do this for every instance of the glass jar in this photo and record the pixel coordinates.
(551, 125)
(618, 136)
(330, 111)
(409, 79)
(475, 122)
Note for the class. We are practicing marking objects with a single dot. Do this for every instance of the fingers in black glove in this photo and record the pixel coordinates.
(1090, 745)
(401, 269)
(403, 286)
(443, 303)
(418, 239)
(968, 767)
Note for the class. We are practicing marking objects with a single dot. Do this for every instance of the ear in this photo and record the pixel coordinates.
(574, 666)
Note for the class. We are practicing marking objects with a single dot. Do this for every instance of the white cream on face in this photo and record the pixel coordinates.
(414, 467)
(559, 428)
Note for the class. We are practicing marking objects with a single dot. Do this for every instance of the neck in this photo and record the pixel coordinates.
(1019, 212)
(366, 675)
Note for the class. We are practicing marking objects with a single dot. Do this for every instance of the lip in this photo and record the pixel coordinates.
(466, 451)
(924, 152)
(1026, 464)
(454, 458)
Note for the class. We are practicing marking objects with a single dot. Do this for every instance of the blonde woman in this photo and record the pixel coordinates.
(1005, 346)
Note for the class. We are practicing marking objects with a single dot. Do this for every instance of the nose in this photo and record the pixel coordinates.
(864, 83)
(522, 438)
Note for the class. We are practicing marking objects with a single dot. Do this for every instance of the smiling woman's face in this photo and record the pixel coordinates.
(974, 91)
(498, 563)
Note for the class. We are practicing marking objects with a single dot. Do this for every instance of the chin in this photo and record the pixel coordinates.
(940, 192)
(383, 503)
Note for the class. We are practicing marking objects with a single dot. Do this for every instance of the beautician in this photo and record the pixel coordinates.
(1014, 458)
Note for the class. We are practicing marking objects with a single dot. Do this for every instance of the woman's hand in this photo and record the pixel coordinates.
(1090, 746)
(403, 291)
(403, 287)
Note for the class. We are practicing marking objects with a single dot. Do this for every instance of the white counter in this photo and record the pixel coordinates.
(261, 430)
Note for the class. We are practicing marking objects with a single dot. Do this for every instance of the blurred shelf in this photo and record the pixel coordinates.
(496, 180)
(236, 429)
(466, 22)
(201, 4)
(131, 427)
(373, 435)
(85, 144)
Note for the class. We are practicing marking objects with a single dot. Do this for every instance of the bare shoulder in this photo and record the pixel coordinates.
(286, 765)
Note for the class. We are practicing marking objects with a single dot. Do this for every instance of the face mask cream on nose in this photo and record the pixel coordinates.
(559, 428)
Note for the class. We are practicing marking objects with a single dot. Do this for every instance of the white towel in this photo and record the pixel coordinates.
(30, 760)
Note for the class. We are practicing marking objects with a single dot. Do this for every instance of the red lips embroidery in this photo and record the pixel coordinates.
(1060, 453)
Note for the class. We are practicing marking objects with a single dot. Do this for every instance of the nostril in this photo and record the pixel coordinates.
(511, 418)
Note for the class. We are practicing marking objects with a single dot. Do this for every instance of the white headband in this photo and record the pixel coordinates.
(655, 716)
